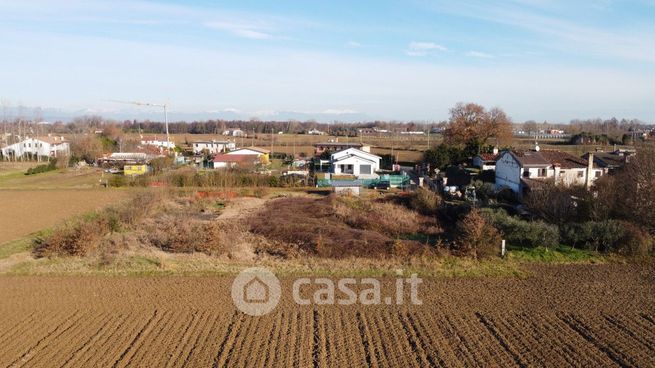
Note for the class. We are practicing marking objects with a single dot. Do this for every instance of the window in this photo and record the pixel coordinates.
(365, 169)
(526, 174)
(597, 174)
(580, 174)
(542, 173)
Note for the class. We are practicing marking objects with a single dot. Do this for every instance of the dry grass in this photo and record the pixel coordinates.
(335, 227)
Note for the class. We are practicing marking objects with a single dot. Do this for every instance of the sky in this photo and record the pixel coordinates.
(553, 60)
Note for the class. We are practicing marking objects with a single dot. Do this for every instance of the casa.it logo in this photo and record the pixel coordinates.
(256, 291)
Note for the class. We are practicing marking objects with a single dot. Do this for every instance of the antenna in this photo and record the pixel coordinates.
(164, 106)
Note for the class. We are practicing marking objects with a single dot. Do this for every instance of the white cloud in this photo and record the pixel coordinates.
(231, 109)
(245, 30)
(353, 44)
(423, 48)
(479, 54)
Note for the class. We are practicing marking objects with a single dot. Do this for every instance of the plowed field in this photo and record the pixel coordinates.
(592, 316)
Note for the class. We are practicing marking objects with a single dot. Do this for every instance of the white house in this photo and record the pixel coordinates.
(339, 146)
(51, 146)
(315, 132)
(227, 161)
(362, 165)
(156, 142)
(213, 147)
(486, 161)
(234, 133)
(520, 170)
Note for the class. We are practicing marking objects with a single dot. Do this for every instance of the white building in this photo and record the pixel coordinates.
(352, 161)
(51, 146)
(315, 132)
(156, 142)
(520, 170)
(486, 161)
(234, 133)
(212, 147)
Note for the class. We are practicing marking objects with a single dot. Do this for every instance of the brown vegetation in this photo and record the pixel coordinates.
(477, 238)
(341, 227)
(472, 124)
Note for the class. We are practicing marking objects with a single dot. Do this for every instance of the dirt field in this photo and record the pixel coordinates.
(27, 211)
(584, 315)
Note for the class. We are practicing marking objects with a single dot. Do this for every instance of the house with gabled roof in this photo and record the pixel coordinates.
(486, 161)
(352, 161)
(522, 170)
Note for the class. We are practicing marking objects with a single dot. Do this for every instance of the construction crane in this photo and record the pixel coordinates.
(164, 106)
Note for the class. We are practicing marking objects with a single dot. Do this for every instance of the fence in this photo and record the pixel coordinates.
(400, 181)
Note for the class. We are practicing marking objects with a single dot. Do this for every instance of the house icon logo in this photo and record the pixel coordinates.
(256, 291)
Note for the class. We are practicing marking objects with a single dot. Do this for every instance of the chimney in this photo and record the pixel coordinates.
(590, 170)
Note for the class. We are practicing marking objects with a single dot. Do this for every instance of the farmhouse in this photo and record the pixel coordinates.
(352, 161)
(315, 132)
(610, 161)
(212, 147)
(521, 170)
(486, 161)
(339, 146)
(227, 161)
(262, 154)
(157, 142)
(234, 133)
(50, 146)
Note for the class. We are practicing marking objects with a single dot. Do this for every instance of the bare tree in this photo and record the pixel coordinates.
(471, 124)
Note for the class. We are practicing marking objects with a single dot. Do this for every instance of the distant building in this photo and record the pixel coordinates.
(262, 153)
(229, 161)
(486, 161)
(135, 170)
(212, 147)
(156, 142)
(50, 146)
(339, 146)
(315, 132)
(234, 133)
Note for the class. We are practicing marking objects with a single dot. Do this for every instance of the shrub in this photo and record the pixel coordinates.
(50, 166)
(635, 242)
(521, 233)
(476, 237)
(85, 234)
(609, 236)
(117, 180)
(183, 235)
(425, 201)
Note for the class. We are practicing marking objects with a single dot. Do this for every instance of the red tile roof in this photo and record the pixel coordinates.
(564, 160)
(235, 158)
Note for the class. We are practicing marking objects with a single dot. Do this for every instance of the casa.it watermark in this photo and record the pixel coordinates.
(257, 291)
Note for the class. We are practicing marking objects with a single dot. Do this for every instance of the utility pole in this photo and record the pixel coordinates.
(165, 107)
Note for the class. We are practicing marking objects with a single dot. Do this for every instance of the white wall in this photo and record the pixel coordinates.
(508, 173)
(213, 147)
(34, 147)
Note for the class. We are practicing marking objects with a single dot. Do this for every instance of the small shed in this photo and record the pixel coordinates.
(346, 187)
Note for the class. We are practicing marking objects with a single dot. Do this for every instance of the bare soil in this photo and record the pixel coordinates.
(27, 211)
(575, 315)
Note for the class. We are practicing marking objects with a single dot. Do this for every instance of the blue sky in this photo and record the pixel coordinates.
(407, 60)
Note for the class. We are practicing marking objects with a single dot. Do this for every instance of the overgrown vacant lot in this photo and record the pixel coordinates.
(577, 315)
(27, 211)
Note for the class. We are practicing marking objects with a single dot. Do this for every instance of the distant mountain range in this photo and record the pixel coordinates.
(54, 114)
